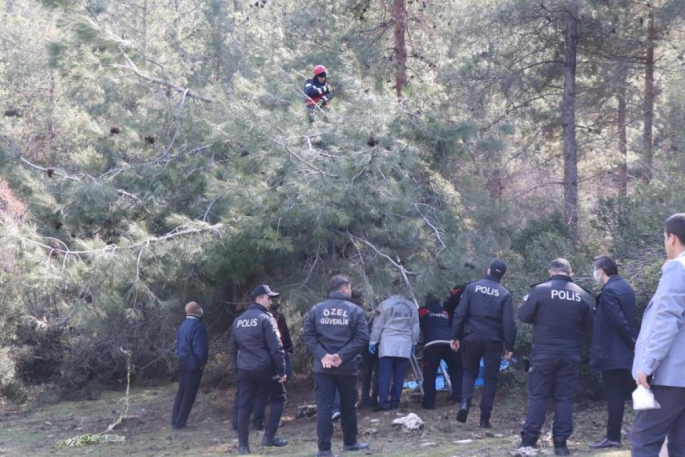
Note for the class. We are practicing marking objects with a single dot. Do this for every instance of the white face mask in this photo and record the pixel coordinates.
(597, 275)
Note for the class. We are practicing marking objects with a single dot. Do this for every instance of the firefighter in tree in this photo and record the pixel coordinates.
(317, 90)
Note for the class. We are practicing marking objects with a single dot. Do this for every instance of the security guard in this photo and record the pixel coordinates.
(560, 312)
(483, 321)
(257, 352)
(335, 332)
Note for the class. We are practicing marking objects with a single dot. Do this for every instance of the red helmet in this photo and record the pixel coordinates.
(319, 69)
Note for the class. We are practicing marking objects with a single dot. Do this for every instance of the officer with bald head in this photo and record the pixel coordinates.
(192, 353)
(561, 312)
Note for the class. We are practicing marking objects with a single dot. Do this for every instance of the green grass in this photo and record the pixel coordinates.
(34, 430)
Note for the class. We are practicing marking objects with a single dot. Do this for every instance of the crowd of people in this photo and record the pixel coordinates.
(476, 323)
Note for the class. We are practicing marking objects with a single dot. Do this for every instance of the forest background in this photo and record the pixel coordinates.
(154, 152)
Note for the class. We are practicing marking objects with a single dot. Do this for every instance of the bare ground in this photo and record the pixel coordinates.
(34, 430)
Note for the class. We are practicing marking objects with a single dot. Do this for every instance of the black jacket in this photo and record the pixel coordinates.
(485, 312)
(255, 343)
(560, 312)
(614, 333)
(191, 344)
(435, 323)
(336, 326)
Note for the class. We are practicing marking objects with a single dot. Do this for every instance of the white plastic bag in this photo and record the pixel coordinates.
(644, 399)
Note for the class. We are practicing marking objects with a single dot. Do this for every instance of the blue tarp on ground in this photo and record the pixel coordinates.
(440, 380)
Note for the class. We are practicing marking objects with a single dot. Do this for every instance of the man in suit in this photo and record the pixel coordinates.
(660, 353)
(613, 343)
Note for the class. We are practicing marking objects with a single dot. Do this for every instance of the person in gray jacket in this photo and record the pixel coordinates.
(660, 353)
(335, 332)
(397, 328)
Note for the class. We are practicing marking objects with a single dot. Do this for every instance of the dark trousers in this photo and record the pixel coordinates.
(250, 384)
(551, 377)
(432, 355)
(259, 409)
(395, 368)
(188, 383)
(616, 383)
(368, 372)
(325, 386)
(474, 350)
(651, 426)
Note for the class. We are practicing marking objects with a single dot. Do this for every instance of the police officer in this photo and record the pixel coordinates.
(257, 351)
(483, 321)
(335, 332)
(437, 333)
(560, 312)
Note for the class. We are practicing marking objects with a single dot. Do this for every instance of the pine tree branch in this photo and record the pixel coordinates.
(112, 248)
(56, 171)
(354, 238)
(435, 229)
(313, 167)
(168, 84)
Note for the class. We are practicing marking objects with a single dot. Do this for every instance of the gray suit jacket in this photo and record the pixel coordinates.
(660, 348)
(397, 327)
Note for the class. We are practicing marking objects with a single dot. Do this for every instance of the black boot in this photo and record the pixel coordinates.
(271, 440)
(243, 450)
(463, 411)
(560, 449)
(485, 423)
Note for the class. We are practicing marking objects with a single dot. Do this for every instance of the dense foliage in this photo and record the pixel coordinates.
(163, 153)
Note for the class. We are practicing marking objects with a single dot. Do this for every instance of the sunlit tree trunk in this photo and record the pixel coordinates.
(399, 15)
(568, 119)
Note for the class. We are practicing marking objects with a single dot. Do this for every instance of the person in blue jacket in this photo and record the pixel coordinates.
(192, 353)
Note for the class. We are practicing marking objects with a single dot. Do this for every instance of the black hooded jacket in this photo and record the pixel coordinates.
(560, 311)
(485, 312)
(255, 344)
(336, 326)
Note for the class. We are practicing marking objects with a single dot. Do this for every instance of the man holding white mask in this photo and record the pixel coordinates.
(613, 344)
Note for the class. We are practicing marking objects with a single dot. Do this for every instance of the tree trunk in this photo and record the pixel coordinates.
(649, 100)
(145, 13)
(568, 120)
(622, 129)
(399, 15)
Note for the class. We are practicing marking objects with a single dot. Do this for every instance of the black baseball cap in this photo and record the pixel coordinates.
(263, 290)
(498, 268)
